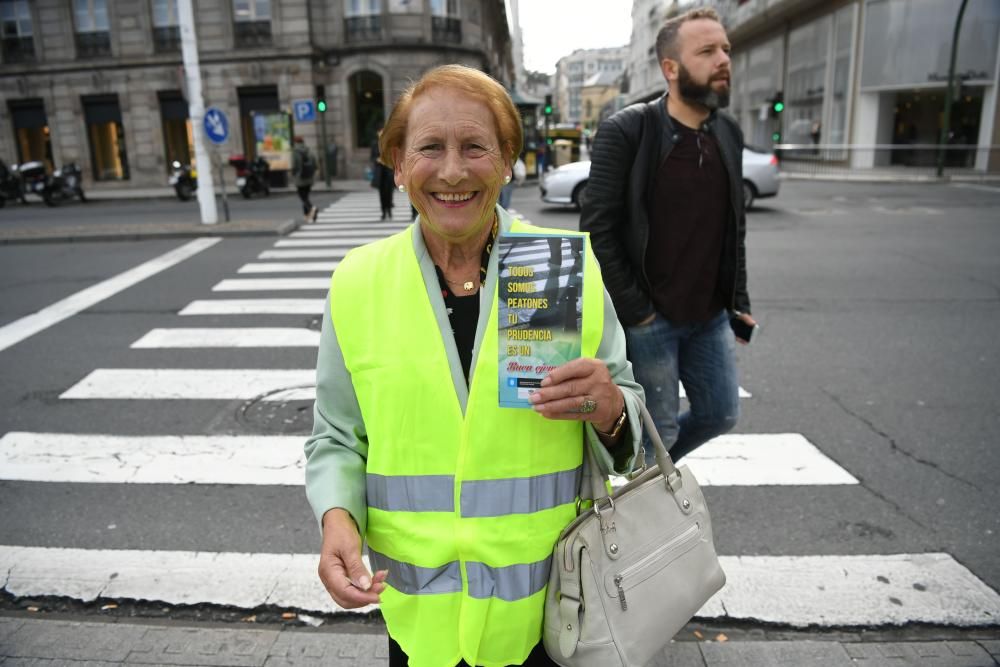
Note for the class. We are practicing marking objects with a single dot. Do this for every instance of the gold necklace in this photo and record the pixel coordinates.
(468, 285)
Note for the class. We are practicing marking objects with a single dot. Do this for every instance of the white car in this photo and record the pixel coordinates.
(565, 184)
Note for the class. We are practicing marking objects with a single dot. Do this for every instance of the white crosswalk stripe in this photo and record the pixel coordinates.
(797, 591)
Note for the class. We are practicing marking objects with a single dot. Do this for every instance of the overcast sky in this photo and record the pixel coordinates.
(552, 29)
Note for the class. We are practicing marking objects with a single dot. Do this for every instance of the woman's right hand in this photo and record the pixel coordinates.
(340, 566)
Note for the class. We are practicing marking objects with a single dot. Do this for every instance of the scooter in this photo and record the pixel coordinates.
(64, 183)
(10, 184)
(183, 180)
(34, 179)
(253, 178)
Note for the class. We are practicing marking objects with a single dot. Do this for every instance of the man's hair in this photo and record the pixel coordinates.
(456, 79)
(666, 39)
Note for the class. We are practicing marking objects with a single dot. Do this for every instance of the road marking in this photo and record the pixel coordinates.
(337, 253)
(229, 337)
(330, 234)
(331, 238)
(743, 393)
(18, 330)
(254, 307)
(253, 284)
(312, 243)
(164, 459)
(797, 591)
(760, 460)
(764, 459)
(289, 267)
(195, 384)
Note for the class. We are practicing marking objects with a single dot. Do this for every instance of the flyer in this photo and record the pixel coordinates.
(540, 309)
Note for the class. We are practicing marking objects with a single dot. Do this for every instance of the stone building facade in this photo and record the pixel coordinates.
(101, 83)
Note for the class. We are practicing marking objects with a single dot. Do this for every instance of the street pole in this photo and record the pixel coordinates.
(324, 153)
(222, 186)
(946, 125)
(196, 111)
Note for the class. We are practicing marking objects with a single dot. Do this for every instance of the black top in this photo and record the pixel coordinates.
(463, 311)
(688, 210)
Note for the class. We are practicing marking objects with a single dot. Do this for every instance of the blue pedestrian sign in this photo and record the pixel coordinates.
(305, 111)
(216, 125)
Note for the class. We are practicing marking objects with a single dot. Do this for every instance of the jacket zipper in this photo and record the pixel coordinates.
(619, 579)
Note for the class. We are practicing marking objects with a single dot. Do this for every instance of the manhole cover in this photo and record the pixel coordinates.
(266, 415)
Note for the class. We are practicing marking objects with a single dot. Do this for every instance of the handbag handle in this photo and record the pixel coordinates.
(598, 488)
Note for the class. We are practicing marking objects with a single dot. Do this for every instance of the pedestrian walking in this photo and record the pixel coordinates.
(303, 173)
(382, 179)
(460, 501)
(664, 209)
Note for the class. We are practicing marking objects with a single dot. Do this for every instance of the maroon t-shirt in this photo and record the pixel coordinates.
(688, 208)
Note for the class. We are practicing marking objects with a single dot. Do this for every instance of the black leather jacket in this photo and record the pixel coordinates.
(627, 150)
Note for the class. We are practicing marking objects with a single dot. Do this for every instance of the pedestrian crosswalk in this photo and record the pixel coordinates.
(795, 590)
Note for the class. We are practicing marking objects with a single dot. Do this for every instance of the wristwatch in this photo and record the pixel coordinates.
(616, 429)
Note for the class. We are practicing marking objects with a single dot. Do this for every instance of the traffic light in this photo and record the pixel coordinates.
(321, 98)
(548, 105)
(777, 103)
(776, 137)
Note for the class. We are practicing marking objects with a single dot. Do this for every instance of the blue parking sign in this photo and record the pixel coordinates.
(305, 111)
(216, 125)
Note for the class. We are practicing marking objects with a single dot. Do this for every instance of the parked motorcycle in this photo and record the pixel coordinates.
(34, 178)
(64, 183)
(10, 184)
(253, 178)
(183, 180)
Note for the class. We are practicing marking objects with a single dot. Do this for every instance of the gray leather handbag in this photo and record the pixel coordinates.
(629, 572)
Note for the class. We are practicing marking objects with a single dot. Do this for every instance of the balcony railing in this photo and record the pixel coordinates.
(363, 28)
(18, 49)
(167, 39)
(248, 34)
(93, 44)
(446, 29)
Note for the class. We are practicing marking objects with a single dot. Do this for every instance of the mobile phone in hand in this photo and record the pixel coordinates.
(742, 330)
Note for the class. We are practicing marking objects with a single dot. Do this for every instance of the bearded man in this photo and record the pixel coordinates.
(664, 209)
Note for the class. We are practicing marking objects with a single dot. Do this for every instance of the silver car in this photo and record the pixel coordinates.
(565, 184)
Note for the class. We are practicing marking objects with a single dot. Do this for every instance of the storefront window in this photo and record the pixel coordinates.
(369, 107)
(178, 140)
(908, 42)
(106, 135)
(762, 79)
(807, 58)
(31, 131)
(836, 132)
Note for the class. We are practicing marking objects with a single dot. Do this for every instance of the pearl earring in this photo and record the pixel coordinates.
(402, 188)
(506, 179)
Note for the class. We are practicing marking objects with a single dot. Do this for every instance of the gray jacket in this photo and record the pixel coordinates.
(299, 153)
(628, 148)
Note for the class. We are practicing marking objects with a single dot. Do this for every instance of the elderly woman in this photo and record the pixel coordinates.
(461, 501)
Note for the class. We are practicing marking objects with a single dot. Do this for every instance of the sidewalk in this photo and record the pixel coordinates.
(65, 230)
(28, 640)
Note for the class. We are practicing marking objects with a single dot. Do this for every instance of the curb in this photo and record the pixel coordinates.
(282, 228)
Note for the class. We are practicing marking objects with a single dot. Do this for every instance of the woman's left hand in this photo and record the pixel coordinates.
(581, 390)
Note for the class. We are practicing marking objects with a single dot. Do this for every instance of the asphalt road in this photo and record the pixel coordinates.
(877, 305)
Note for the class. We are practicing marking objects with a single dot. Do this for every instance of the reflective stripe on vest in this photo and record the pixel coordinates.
(479, 498)
(513, 582)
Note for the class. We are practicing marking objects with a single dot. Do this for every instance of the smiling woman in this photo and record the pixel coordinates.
(460, 500)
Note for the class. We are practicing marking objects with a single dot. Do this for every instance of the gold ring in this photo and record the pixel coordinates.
(588, 406)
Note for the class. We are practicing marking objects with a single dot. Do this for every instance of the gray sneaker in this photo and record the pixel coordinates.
(313, 212)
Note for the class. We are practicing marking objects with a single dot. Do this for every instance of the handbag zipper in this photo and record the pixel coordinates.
(689, 532)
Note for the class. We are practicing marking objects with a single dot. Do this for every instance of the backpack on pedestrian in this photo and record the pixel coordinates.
(308, 168)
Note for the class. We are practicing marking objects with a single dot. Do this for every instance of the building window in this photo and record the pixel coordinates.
(93, 36)
(166, 31)
(15, 19)
(252, 23)
(178, 139)
(444, 7)
(446, 29)
(31, 130)
(362, 20)
(368, 104)
(106, 135)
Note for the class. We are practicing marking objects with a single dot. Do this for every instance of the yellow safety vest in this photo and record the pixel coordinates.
(463, 510)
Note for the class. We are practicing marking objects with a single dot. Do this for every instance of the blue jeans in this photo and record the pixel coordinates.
(703, 357)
